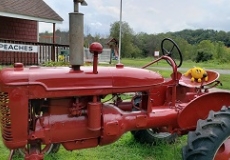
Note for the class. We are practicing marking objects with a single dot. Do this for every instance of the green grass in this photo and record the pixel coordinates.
(186, 64)
(224, 79)
(126, 148)
(4, 151)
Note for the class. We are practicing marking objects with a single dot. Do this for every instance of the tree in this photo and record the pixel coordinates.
(205, 51)
(219, 50)
(198, 45)
(128, 49)
(187, 49)
(202, 56)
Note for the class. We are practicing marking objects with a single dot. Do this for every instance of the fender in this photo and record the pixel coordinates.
(200, 107)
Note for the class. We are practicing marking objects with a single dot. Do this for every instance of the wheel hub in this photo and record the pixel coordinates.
(224, 151)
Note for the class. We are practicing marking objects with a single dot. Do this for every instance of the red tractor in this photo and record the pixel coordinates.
(43, 108)
(46, 107)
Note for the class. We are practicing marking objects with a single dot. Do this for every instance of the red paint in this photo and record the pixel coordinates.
(95, 48)
(224, 151)
(69, 108)
(201, 106)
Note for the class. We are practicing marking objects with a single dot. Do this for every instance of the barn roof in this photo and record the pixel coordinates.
(36, 10)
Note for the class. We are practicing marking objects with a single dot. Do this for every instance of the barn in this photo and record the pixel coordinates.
(19, 31)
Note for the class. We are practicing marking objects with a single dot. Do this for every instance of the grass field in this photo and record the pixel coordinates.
(186, 64)
(126, 148)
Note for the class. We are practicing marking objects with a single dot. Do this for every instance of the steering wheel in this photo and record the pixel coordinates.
(171, 49)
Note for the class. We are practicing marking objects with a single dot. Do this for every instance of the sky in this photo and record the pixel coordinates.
(149, 16)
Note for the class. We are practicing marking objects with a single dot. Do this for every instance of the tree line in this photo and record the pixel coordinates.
(196, 45)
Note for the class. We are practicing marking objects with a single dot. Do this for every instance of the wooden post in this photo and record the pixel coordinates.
(53, 46)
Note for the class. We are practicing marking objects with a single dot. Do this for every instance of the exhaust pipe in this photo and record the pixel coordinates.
(76, 38)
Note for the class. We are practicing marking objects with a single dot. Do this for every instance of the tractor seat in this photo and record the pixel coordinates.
(186, 80)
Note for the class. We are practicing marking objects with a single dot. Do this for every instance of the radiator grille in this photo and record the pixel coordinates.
(5, 117)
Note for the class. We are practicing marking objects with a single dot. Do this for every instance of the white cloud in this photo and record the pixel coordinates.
(218, 2)
(96, 24)
(148, 16)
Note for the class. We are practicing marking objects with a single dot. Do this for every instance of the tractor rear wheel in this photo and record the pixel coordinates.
(211, 139)
(153, 136)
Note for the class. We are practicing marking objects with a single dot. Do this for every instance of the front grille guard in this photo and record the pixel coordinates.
(5, 117)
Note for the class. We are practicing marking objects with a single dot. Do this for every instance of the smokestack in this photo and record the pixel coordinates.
(76, 36)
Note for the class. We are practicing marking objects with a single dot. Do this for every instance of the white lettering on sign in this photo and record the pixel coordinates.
(18, 47)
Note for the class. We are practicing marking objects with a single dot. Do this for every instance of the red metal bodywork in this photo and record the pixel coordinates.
(63, 105)
(23, 84)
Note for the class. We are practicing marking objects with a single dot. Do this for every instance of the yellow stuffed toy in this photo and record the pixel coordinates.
(197, 73)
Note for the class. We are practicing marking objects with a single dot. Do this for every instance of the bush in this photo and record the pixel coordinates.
(203, 56)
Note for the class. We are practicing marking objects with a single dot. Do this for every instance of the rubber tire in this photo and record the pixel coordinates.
(145, 136)
(55, 148)
(210, 134)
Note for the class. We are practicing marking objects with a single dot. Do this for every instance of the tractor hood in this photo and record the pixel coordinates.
(110, 79)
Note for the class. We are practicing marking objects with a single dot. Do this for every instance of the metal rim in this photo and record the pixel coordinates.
(223, 151)
(45, 150)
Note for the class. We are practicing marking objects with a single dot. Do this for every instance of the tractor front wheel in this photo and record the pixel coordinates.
(211, 139)
(153, 136)
(45, 149)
